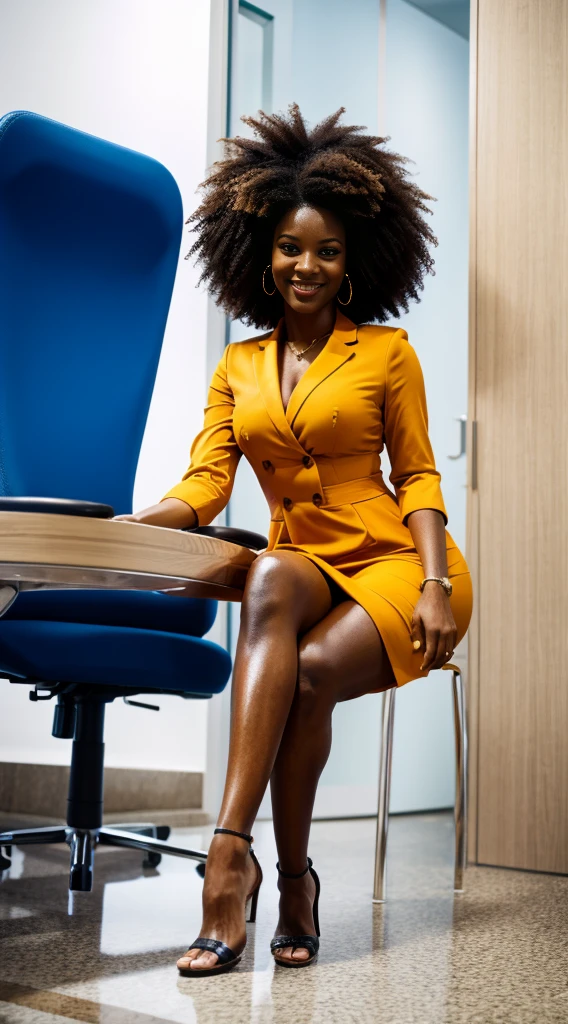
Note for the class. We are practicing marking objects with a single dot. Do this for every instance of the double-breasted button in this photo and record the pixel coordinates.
(288, 503)
(317, 499)
(267, 465)
(308, 461)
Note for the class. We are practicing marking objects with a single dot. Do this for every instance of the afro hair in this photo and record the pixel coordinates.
(333, 166)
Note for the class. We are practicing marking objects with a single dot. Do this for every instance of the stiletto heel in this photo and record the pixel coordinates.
(309, 942)
(226, 957)
(253, 896)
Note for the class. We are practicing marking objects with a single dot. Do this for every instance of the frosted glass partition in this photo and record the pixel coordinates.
(325, 54)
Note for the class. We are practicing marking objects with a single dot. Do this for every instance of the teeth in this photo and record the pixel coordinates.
(306, 287)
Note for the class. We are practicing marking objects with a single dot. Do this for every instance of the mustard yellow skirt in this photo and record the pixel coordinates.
(384, 577)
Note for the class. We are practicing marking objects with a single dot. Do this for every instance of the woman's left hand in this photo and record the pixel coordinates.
(434, 625)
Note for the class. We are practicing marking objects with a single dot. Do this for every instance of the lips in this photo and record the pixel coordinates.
(305, 288)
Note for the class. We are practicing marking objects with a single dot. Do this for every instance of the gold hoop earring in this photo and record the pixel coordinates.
(350, 293)
(263, 284)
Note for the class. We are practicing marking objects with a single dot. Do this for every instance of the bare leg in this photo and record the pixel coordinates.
(285, 595)
(340, 658)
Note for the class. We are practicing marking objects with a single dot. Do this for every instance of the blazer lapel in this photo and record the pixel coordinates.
(335, 353)
(337, 350)
(265, 363)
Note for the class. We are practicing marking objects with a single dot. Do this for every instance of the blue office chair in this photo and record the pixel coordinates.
(89, 244)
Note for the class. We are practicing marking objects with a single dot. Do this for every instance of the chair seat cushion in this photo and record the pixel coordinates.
(140, 609)
(119, 656)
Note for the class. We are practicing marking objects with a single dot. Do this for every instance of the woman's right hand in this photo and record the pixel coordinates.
(171, 512)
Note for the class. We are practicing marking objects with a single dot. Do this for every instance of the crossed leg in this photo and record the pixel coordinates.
(298, 653)
(340, 658)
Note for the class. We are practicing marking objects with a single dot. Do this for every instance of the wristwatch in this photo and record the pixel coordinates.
(442, 580)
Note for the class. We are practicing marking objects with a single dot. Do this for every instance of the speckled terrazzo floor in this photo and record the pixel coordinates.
(499, 953)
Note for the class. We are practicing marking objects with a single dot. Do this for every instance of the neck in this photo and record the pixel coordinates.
(304, 327)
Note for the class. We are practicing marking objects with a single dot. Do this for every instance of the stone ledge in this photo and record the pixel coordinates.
(41, 790)
(189, 818)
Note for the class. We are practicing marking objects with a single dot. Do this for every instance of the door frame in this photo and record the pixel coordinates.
(219, 708)
(472, 501)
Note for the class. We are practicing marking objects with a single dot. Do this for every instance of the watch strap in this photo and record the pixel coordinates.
(442, 580)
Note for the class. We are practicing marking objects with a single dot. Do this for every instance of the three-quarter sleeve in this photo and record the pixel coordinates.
(214, 455)
(413, 470)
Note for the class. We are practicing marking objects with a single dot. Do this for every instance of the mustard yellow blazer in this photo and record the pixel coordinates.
(319, 465)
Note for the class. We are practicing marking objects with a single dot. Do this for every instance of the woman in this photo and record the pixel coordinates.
(296, 229)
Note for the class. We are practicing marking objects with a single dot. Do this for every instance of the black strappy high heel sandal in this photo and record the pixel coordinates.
(309, 942)
(227, 958)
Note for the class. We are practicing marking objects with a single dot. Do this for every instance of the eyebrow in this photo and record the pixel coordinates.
(321, 242)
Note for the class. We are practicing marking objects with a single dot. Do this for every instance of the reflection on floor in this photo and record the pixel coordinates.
(499, 953)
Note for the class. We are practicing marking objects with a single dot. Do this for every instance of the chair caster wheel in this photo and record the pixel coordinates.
(200, 868)
(151, 860)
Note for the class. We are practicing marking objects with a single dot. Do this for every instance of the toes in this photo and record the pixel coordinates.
(289, 953)
(204, 962)
(185, 960)
(284, 954)
(301, 953)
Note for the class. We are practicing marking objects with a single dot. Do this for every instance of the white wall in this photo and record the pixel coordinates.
(134, 72)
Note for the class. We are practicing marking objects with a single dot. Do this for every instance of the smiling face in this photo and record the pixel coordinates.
(308, 258)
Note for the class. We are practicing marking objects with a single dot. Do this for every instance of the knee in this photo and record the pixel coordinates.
(315, 677)
(269, 586)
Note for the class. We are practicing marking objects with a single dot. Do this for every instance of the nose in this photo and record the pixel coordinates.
(307, 263)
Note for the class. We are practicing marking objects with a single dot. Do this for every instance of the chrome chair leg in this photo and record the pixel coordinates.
(82, 842)
(109, 835)
(385, 770)
(460, 807)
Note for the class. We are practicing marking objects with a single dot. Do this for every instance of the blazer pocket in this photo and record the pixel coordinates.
(340, 529)
(380, 515)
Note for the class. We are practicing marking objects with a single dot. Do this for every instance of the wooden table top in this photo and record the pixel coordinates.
(53, 551)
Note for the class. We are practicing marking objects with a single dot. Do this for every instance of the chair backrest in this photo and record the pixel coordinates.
(89, 244)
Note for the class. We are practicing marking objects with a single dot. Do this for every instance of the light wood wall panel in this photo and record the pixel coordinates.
(519, 362)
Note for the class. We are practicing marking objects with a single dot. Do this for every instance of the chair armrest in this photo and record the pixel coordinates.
(58, 507)
(246, 538)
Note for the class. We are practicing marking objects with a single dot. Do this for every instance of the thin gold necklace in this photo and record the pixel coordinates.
(304, 350)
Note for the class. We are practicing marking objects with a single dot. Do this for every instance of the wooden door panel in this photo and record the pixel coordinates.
(520, 323)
